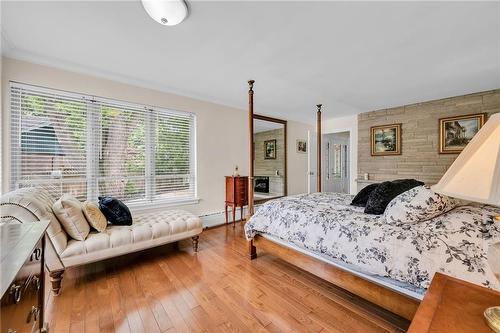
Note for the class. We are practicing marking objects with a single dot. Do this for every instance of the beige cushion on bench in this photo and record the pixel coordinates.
(68, 211)
(148, 230)
(94, 216)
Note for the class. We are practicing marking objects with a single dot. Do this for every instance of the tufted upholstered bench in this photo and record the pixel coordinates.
(148, 230)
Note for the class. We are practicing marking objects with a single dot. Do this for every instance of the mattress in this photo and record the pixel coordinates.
(403, 257)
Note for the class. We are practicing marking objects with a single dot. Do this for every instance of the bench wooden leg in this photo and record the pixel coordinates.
(252, 250)
(55, 280)
(195, 243)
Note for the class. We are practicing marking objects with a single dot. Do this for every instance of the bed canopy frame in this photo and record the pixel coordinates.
(381, 295)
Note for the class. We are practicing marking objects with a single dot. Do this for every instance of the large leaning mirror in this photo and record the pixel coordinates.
(269, 142)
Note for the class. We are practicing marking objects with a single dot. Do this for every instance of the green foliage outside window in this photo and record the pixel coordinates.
(122, 142)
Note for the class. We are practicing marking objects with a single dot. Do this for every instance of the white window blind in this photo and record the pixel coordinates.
(48, 141)
(90, 146)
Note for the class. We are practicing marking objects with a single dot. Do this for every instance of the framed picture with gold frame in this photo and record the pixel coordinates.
(385, 140)
(456, 132)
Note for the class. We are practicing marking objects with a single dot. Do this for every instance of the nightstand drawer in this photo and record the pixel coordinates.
(20, 308)
(23, 261)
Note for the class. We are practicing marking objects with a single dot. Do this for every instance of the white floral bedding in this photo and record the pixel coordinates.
(455, 243)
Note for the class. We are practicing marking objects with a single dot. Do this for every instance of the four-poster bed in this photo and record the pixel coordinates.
(382, 259)
(394, 301)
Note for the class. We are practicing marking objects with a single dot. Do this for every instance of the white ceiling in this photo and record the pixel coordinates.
(352, 57)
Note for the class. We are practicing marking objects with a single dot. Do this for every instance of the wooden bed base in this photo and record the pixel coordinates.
(379, 295)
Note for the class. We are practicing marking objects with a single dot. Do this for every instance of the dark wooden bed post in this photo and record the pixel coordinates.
(252, 251)
(318, 149)
(250, 148)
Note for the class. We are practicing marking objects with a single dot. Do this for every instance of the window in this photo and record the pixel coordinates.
(90, 147)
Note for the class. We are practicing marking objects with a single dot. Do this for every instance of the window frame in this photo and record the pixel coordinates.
(93, 118)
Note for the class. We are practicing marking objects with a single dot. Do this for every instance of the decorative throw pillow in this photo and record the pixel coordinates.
(385, 192)
(94, 216)
(68, 211)
(362, 197)
(115, 211)
(418, 204)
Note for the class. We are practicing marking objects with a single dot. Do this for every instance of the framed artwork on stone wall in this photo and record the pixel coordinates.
(456, 132)
(385, 140)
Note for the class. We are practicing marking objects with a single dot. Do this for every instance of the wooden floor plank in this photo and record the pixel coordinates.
(202, 292)
(63, 308)
(145, 281)
(128, 294)
(91, 302)
(78, 308)
(117, 307)
(215, 290)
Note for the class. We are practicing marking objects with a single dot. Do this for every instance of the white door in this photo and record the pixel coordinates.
(311, 162)
(336, 162)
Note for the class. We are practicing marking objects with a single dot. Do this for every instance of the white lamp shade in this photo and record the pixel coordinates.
(166, 12)
(475, 174)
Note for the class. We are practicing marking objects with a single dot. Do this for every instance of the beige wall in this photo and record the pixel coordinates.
(296, 167)
(420, 136)
(221, 130)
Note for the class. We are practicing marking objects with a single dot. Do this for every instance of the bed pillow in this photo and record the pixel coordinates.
(362, 197)
(418, 204)
(385, 192)
(68, 211)
(115, 211)
(94, 216)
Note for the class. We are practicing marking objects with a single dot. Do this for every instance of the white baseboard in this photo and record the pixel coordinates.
(218, 218)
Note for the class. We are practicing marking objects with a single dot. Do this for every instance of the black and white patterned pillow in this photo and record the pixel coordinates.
(417, 205)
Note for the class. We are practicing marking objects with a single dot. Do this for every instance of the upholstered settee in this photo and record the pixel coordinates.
(148, 230)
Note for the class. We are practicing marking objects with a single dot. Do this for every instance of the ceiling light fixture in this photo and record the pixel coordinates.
(166, 12)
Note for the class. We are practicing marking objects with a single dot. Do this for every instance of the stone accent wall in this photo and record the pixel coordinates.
(420, 158)
(268, 168)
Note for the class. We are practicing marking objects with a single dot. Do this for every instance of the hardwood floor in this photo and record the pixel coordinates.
(216, 290)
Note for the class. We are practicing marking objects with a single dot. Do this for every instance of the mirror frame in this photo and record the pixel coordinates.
(285, 176)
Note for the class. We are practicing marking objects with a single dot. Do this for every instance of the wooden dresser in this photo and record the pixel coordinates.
(453, 305)
(22, 281)
(236, 194)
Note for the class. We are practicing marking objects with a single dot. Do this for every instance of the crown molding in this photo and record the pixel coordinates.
(17, 54)
(22, 55)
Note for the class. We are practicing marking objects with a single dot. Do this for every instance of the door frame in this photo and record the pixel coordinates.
(353, 158)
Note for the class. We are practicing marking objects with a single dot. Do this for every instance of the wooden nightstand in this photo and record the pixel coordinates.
(453, 305)
(236, 194)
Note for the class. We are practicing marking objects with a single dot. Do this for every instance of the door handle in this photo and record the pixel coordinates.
(37, 253)
(36, 282)
(33, 314)
(15, 289)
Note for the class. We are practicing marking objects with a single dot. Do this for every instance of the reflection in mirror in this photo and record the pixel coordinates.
(269, 140)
